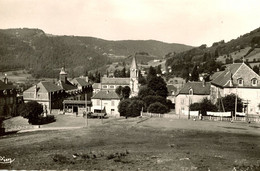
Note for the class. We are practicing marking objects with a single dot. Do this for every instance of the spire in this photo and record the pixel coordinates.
(134, 64)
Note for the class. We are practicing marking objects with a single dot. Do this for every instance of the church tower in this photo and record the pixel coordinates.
(63, 75)
(134, 76)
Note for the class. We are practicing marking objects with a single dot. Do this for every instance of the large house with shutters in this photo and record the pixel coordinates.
(241, 80)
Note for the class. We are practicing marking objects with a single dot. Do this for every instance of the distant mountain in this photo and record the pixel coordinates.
(44, 54)
(209, 59)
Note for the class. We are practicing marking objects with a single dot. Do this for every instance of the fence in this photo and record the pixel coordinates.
(210, 118)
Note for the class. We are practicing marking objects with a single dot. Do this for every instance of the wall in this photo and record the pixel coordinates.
(183, 101)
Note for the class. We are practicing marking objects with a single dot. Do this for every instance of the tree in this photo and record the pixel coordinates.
(135, 107)
(126, 92)
(229, 103)
(158, 85)
(119, 90)
(204, 106)
(123, 73)
(145, 91)
(195, 74)
(157, 107)
(151, 73)
(158, 70)
(123, 107)
(148, 100)
(31, 110)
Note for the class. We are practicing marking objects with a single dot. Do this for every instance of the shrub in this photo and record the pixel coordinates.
(204, 106)
(157, 107)
(148, 100)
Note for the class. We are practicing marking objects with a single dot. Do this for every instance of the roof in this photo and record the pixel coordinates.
(66, 86)
(171, 88)
(115, 81)
(44, 86)
(76, 102)
(134, 64)
(225, 76)
(4, 86)
(215, 75)
(80, 81)
(197, 87)
(106, 95)
(96, 86)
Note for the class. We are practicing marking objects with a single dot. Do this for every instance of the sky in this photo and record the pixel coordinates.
(190, 22)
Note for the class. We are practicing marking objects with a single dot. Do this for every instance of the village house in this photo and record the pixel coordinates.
(105, 101)
(61, 95)
(8, 99)
(47, 94)
(192, 92)
(241, 80)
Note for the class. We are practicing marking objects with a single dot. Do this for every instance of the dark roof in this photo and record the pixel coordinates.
(4, 86)
(96, 86)
(66, 86)
(223, 78)
(197, 87)
(80, 81)
(50, 87)
(115, 81)
(44, 86)
(106, 95)
(171, 88)
(215, 75)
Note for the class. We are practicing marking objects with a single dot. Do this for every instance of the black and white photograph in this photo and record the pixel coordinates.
(130, 85)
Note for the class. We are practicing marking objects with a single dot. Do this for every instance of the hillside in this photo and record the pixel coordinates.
(44, 54)
(210, 59)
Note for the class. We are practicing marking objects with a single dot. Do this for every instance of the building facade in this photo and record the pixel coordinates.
(8, 99)
(242, 81)
(192, 92)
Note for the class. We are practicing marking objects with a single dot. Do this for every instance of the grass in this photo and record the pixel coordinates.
(128, 144)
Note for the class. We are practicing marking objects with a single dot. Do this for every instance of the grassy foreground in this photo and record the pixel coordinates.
(137, 144)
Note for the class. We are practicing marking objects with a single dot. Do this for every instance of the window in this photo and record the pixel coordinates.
(104, 86)
(112, 103)
(240, 82)
(98, 102)
(112, 86)
(190, 91)
(254, 82)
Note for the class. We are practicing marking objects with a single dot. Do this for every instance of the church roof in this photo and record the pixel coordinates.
(4, 86)
(134, 64)
(115, 81)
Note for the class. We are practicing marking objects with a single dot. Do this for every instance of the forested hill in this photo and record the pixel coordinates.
(210, 59)
(41, 53)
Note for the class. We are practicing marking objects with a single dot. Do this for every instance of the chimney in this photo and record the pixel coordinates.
(203, 82)
(5, 79)
(35, 91)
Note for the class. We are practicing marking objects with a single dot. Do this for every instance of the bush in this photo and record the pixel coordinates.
(31, 111)
(204, 106)
(157, 107)
(130, 107)
(45, 120)
(148, 100)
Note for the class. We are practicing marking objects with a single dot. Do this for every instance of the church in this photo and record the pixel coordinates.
(105, 100)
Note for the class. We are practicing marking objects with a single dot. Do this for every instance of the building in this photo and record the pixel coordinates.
(172, 91)
(111, 84)
(8, 99)
(47, 94)
(51, 95)
(105, 101)
(241, 80)
(192, 92)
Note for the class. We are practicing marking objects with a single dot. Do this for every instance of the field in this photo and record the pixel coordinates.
(136, 144)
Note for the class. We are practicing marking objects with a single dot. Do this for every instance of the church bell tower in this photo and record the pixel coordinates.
(134, 76)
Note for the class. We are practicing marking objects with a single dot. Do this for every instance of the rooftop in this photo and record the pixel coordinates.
(106, 95)
(197, 87)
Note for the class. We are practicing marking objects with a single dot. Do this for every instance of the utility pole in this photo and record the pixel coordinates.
(236, 105)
